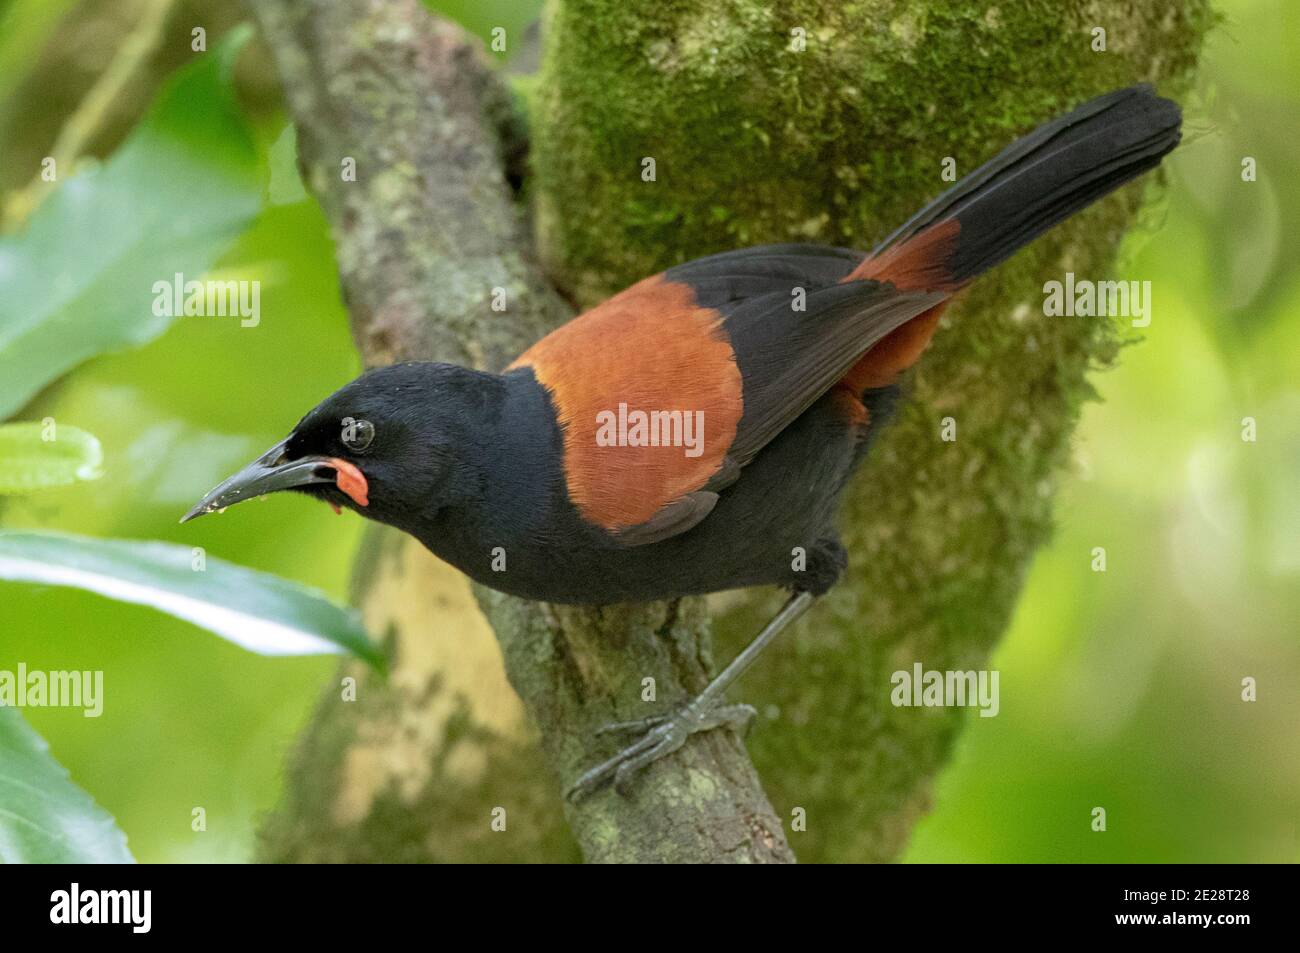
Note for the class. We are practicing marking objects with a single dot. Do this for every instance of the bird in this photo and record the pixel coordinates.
(695, 432)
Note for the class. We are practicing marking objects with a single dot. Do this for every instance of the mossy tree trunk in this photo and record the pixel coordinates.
(806, 121)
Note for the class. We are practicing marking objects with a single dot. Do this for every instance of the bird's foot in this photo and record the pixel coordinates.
(662, 735)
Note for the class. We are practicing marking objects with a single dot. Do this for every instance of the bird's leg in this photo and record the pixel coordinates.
(664, 734)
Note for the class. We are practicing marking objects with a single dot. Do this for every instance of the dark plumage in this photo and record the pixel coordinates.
(477, 465)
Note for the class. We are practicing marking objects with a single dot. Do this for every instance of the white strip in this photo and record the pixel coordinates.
(248, 631)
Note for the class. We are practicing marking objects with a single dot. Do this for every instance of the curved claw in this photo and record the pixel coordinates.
(637, 724)
(593, 778)
(741, 717)
(664, 734)
(627, 771)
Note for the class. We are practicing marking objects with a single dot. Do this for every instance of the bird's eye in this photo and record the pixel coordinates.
(357, 434)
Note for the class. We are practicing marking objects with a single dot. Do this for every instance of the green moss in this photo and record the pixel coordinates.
(838, 144)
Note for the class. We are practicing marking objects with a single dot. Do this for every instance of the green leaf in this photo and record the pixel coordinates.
(79, 280)
(255, 610)
(284, 187)
(44, 817)
(30, 462)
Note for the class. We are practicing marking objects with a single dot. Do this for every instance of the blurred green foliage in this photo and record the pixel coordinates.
(256, 610)
(168, 203)
(49, 820)
(1120, 689)
(34, 456)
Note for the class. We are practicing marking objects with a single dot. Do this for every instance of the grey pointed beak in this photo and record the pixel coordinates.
(268, 473)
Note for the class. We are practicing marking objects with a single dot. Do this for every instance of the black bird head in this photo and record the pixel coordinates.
(384, 446)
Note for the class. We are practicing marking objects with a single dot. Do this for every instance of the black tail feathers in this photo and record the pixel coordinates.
(1042, 179)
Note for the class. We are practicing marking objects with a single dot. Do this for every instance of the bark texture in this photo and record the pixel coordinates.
(808, 120)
